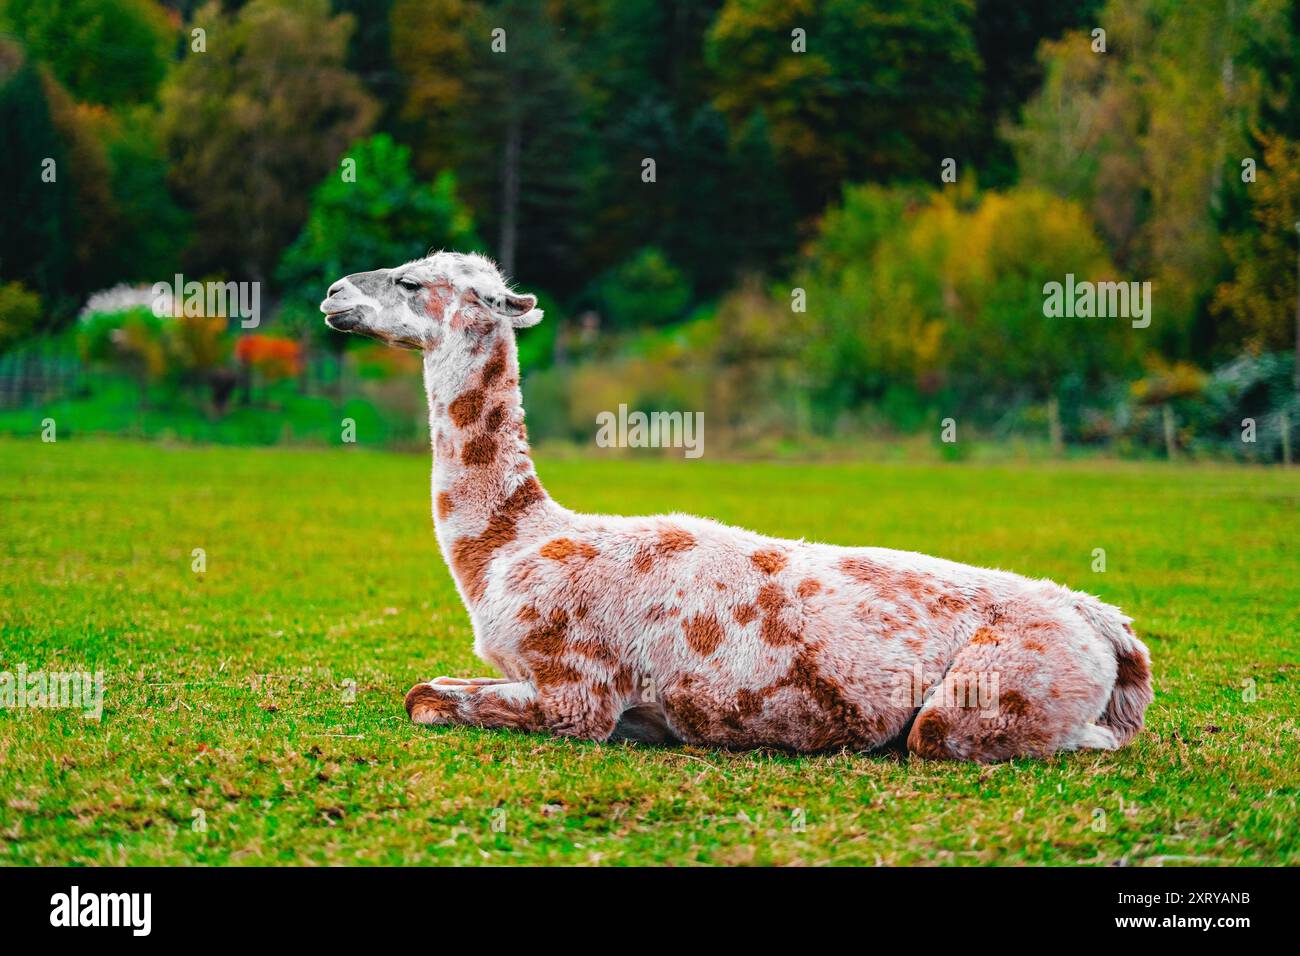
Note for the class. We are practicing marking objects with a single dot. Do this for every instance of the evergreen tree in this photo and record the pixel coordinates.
(38, 218)
(524, 148)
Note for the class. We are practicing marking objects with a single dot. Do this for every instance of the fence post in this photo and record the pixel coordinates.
(1055, 434)
(1171, 448)
(1284, 422)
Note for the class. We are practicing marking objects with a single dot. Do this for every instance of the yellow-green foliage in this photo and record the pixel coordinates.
(20, 309)
(1149, 135)
(948, 292)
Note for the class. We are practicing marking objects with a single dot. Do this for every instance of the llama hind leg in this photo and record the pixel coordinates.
(1025, 689)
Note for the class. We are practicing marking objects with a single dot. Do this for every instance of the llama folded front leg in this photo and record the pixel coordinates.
(568, 711)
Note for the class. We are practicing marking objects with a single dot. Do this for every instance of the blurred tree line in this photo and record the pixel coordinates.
(761, 179)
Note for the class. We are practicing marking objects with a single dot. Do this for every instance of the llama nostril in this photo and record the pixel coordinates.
(337, 287)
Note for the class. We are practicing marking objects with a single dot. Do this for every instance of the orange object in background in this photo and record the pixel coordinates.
(272, 356)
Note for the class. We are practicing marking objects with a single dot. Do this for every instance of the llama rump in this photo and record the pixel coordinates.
(679, 629)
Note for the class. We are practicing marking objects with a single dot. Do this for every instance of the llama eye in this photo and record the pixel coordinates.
(408, 283)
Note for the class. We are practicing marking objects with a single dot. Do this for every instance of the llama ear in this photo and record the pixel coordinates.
(528, 319)
(521, 310)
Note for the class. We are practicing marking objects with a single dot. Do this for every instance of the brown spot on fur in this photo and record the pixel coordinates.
(703, 633)
(865, 570)
(893, 584)
(623, 680)
(985, 635)
(479, 450)
(846, 724)
(441, 287)
(773, 631)
(521, 572)
(529, 614)
(495, 418)
(771, 598)
(445, 505)
(744, 613)
(947, 604)
(440, 295)
(808, 587)
(594, 649)
(547, 639)
(1133, 669)
(466, 408)
(929, 736)
(919, 586)
(496, 363)
(686, 714)
(996, 613)
(660, 613)
(749, 703)
(769, 561)
(548, 671)
(1035, 646)
(826, 692)
(672, 540)
(1011, 702)
(470, 555)
(561, 549)
(885, 625)
(668, 542)
(476, 320)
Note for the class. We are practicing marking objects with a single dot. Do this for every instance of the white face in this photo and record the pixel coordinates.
(415, 305)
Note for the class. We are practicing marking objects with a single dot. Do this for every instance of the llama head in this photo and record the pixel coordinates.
(427, 304)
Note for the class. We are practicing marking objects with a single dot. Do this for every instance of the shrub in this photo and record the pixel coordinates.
(272, 357)
(20, 309)
(946, 297)
(646, 290)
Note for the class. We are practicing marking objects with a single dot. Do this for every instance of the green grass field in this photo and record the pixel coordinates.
(229, 735)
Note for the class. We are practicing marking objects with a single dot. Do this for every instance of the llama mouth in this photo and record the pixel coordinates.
(343, 321)
(349, 320)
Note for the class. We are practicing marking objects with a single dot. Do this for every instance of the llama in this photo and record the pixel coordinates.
(679, 629)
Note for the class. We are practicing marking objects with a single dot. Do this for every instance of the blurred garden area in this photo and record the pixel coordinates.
(820, 223)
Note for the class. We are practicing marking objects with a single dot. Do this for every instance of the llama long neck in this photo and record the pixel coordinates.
(484, 482)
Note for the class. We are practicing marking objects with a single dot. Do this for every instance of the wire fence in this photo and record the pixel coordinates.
(40, 373)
